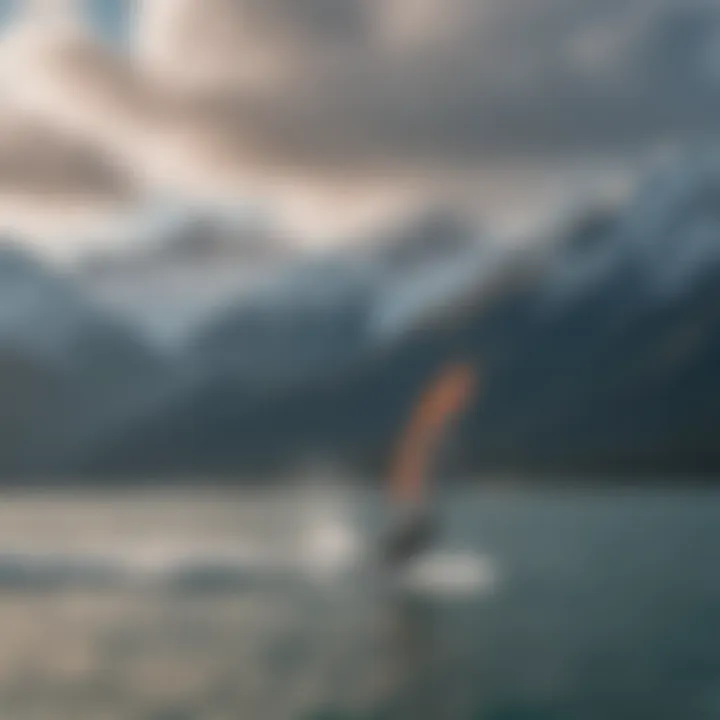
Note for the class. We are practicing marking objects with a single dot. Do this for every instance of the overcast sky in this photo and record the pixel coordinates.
(334, 114)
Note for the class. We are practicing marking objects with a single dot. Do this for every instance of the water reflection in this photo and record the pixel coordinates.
(608, 607)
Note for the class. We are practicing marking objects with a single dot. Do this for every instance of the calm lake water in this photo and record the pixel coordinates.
(168, 606)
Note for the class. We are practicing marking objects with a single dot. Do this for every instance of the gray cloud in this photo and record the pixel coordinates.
(36, 160)
(50, 181)
(312, 102)
(454, 81)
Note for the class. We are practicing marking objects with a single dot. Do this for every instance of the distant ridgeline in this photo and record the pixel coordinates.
(599, 353)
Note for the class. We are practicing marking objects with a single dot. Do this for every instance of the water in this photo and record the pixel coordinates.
(262, 606)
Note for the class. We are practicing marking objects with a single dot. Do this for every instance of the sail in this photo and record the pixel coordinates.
(437, 406)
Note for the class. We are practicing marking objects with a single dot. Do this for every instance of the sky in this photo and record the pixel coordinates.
(335, 116)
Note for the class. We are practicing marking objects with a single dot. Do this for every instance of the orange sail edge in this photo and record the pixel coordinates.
(438, 405)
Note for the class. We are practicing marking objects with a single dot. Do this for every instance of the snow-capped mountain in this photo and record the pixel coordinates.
(170, 279)
(603, 353)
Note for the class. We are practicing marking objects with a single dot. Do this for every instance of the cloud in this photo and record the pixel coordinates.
(444, 82)
(48, 178)
(354, 108)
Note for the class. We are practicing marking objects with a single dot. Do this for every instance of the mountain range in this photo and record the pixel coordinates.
(597, 345)
(598, 350)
